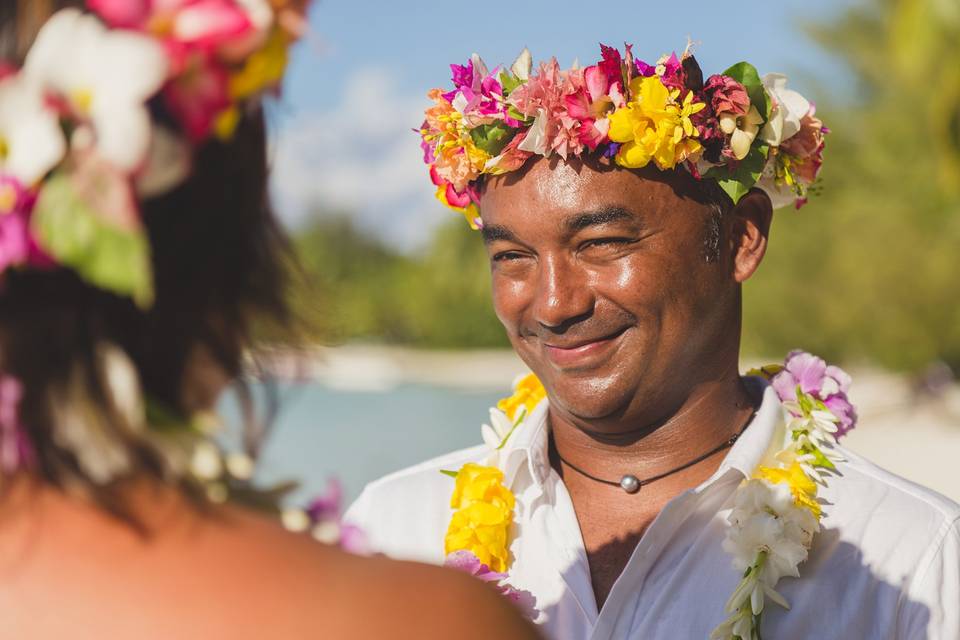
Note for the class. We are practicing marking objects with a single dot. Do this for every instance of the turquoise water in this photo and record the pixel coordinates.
(359, 436)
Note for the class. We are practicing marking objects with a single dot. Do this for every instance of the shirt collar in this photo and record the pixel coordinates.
(754, 447)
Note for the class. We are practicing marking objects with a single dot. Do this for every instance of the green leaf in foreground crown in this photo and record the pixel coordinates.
(746, 74)
(105, 255)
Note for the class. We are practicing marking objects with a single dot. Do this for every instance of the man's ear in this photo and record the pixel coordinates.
(750, 231)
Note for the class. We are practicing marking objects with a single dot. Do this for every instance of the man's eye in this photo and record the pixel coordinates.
(615, 243)
(507, 256)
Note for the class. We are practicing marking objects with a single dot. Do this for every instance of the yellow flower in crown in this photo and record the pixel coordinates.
(483, 516)
(803, 488)
(654, 126)
(527, 393)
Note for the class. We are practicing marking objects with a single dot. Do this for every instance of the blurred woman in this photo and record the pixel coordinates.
(137, 252)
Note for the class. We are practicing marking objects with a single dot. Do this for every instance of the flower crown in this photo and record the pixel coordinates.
(735, 128)
(78, 146)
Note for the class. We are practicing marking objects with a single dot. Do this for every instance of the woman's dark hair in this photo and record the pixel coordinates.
(220, 263)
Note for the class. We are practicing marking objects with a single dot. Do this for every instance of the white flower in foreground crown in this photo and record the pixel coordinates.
(105, 76)
(31, 141)
(787, 110)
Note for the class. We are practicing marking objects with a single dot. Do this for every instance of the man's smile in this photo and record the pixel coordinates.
(583, 352)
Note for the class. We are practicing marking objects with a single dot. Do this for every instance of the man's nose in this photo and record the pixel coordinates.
(563, 295)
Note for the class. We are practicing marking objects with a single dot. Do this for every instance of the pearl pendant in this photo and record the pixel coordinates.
(630, 484)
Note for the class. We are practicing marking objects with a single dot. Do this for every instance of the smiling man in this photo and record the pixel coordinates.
(636, 485)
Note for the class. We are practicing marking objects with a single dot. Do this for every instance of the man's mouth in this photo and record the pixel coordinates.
(581, 352)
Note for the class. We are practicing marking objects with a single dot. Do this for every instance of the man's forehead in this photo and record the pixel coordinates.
(575, 195)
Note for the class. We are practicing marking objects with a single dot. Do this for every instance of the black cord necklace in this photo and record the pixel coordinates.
(632, 484)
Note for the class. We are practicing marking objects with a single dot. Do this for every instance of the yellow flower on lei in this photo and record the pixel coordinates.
(483, 516)
(803, 488)
(653, 126)
(527, 393)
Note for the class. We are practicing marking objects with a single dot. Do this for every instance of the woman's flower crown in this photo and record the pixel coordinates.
(78, 146)
(735, 128)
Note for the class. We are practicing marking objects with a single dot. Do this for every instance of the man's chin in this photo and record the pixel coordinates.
(588, 397)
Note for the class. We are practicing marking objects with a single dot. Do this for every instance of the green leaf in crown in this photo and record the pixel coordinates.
(112, 253)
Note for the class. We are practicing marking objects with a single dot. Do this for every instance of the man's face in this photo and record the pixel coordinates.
(601, 280)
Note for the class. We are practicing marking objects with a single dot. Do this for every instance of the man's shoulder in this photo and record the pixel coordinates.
(874, 487)
(405, 513)
(893, 522)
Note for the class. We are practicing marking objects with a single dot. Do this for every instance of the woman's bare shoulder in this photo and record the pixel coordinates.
(226, 573)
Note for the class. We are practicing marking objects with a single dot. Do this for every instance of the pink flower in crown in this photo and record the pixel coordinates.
(816, 378)
(543, 97)
(478, 94)
(200, 36)
(598, 93)
(16, 451)
(199, 94)
(670, 70)
(18, 246)
(808, 140)
(469, 563)
(180, 24)
(450, 196)
(726, 95)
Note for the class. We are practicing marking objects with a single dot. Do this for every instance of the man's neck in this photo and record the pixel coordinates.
(710, 413)
(612, 521)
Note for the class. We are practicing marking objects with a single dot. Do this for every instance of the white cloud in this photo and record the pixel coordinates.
(360, 157)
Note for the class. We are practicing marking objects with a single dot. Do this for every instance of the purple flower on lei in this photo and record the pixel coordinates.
(469, 563)
(324, 511)
(824, 382)
(16, 451)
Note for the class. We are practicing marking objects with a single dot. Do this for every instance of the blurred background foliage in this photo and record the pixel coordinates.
(867, 272)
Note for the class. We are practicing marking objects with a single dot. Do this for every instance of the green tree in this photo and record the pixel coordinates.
(869, 270)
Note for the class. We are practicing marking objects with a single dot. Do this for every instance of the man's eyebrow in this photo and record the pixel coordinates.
(605, 215)
(494, 232)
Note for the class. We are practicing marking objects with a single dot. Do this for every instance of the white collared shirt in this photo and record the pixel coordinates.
(886, 563)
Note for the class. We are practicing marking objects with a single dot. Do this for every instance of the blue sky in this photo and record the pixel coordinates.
(356, 88)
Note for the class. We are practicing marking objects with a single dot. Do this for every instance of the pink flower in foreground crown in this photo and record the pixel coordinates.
(17, 243)
(824, 382)
(204, 23)
(469, 563)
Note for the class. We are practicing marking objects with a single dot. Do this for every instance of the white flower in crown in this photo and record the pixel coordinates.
(105, 76)
(31, 141)
(787, 110)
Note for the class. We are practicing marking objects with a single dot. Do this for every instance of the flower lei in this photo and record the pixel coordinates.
(80, 147)
(775, 512)
(735, 128)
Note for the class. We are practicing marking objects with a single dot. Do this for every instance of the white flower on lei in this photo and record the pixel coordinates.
(496, 434)
(106, 76)
(31, 141)
(769, 536)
